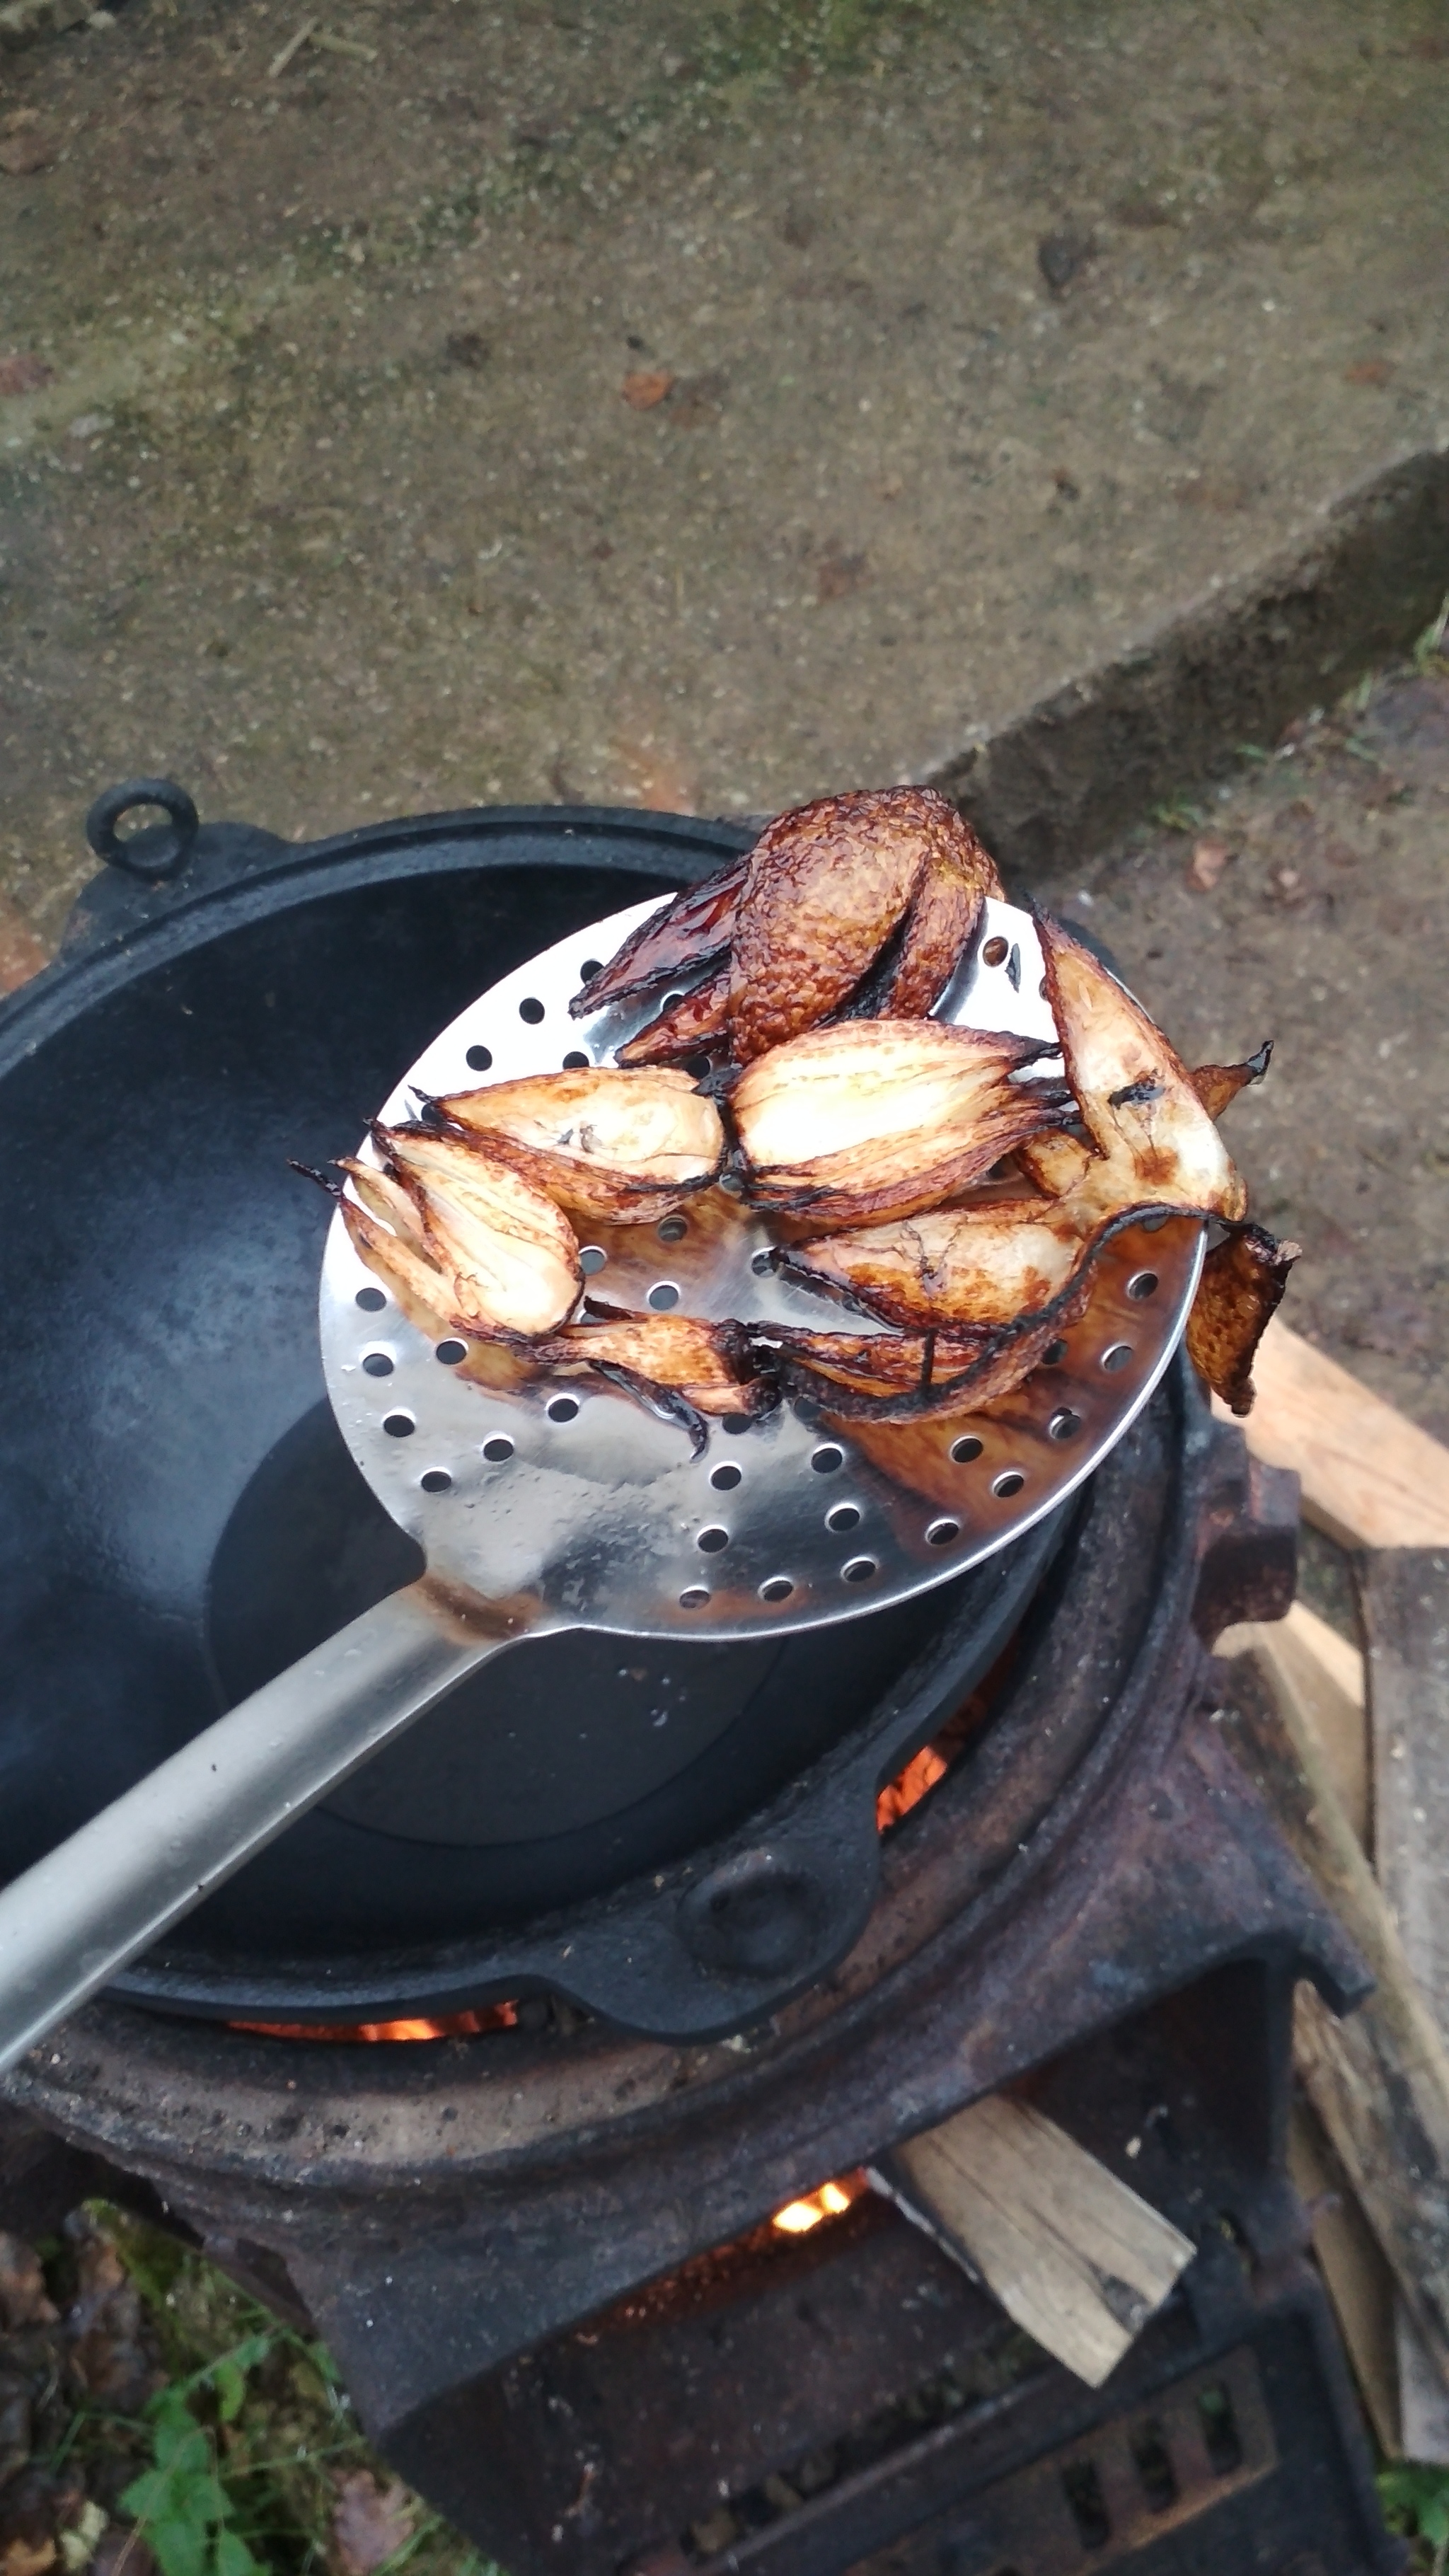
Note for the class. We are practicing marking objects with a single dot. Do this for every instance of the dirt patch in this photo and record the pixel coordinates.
(1324, 926)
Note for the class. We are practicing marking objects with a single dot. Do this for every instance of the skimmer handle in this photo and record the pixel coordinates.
(71, 1922)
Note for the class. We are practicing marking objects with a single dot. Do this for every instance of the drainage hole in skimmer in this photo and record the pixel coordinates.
(1143, 1283)
(450, 1353)
(762, 1263)
(858, 1569)
(672, 1229)
(592, 1258)
(1009, 1482)
(724, 1479)
(591, 967)
(694, 1598)
(941, 1533)
(437, 1481)
(1064, 1424)
(778, 1587)
(399, 1426)
(994, 953)
(1117, 1357)
(1155, 1224)
(531, 1009)
(712, 1540)
(377, 1363)
(846, 1516)
(663, 1295)
(826, 1460)
(964, 1450)
(480, 1059)
(576, 1061)
(371, 1300)
(1054, 1354)
(497, 1449)
(563, 1408)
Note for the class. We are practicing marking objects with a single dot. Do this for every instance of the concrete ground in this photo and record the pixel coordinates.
(708, 406)
(994, 333)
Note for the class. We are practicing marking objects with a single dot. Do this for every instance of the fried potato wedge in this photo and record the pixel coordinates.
(1243, 1279)
(621, 1147)
(1217, 1085)
(881, 1118)
(693, 1022)
(950, 1266)
(1155, 1142)
(697, 926)
(828, 885)
(675, 1366)
(509, 1256)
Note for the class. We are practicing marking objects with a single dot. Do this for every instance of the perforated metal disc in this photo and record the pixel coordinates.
(573, 1498)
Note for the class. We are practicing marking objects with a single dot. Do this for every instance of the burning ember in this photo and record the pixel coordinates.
(831, 2201)
(461, 2025)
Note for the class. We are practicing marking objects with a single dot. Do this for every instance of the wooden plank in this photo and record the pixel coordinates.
(1379, 2081)
(1370, 1477)
(1357, 2278)
(1301, 1657)
(1404, 1594)
(1075, 2257)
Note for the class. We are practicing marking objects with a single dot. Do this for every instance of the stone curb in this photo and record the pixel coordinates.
(1364, 581)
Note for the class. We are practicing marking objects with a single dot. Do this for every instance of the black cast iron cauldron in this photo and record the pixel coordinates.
(179, 1518)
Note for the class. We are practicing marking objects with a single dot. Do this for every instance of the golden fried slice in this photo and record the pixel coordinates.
(509, 1256)
(1218, 1084)
(420, 1288)
(1155, 1143)
(386, 1197)
(685, 935)
(1243, 1279)
(674, 1365)
(952, 1266)
(620, 1147)
(693, 1022)
(995, 1367)
(827, 886)
(942, 924)
(1055, 1163)
(881, 1118)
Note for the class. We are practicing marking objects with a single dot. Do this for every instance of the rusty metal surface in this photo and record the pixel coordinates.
(438, 2209)
(799, 2406)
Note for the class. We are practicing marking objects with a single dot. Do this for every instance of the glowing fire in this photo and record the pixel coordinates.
(830, 2201)
(898, 1796)
(461, 2025)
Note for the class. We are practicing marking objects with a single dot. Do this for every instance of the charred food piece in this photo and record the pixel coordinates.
(687, 1026)
(508, 1256)
(675, 1366)
(619, 1147)
(1217, 1085)
(1153, 1143)
(829, 885)
(884, 1117)
(977, 1266)
(1243, 1279)
(696, 927)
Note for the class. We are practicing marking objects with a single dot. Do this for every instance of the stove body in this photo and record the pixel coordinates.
(542, 2256)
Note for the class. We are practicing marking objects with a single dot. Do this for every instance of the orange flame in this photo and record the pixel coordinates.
(460, 2025)
(898, 1796)
(831, 2201)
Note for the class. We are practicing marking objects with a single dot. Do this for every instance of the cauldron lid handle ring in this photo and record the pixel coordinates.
(156, 855)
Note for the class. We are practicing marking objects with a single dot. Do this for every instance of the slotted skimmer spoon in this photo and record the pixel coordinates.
(569, 1506)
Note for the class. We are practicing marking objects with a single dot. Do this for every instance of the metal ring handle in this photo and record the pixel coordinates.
(164, 854)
